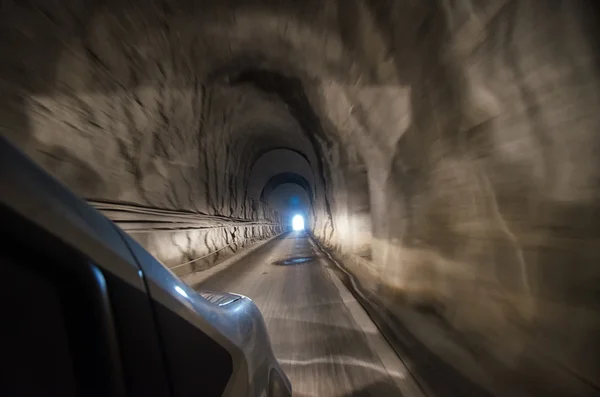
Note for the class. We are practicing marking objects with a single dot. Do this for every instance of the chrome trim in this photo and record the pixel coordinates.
(219, 298)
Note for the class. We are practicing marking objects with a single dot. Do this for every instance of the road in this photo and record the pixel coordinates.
(322, 337)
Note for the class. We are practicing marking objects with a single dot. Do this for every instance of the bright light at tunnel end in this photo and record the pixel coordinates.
(298, 223)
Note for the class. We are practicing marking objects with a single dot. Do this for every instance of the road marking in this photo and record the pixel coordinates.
(342, 360)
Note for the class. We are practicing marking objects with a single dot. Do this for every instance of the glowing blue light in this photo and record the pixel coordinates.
(298, 223)
(181, 291)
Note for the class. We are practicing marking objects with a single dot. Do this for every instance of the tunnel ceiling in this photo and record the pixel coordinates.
(290, 91)
(271, 86)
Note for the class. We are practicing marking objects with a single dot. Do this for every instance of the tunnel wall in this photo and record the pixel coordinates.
(486, 214)
(498, 206)
(145, 136)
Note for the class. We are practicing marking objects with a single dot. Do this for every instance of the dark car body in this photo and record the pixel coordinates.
(87, 311)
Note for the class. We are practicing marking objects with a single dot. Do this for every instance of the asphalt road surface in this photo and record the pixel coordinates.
(322, 337)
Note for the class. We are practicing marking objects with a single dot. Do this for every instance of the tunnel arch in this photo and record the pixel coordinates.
(290, 199)
(286, 177)
(274, 148)
(298, 128)
(290, 161)
(291, 91)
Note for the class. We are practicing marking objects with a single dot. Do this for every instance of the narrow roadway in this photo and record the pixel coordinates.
(322, 337)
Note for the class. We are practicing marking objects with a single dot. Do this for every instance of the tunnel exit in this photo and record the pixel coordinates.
(298, 223)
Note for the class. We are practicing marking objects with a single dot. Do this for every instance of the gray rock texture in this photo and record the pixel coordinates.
(450, 147)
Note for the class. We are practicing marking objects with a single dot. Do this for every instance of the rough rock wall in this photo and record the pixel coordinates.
(479, 131)
(120, 126)
(494, 184)
(457, 137)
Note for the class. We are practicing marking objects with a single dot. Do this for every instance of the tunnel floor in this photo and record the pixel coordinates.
(322, 337)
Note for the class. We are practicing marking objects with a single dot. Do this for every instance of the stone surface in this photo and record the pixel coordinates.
(451, 145)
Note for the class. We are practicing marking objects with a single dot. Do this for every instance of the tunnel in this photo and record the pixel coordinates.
(290, 194)
(444, 155)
